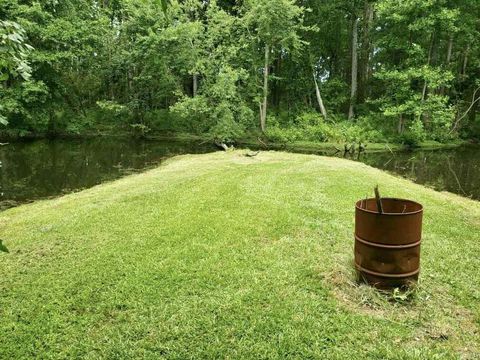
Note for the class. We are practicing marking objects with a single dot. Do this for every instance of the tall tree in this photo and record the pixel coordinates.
(365, 51)
(277, 25)
(354, 82)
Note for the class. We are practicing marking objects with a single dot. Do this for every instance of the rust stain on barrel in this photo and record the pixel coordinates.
(387, 245)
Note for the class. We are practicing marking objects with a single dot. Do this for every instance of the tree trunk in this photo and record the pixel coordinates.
(353, 93)
(425, 83)
(195, 84)
(449, 59)
(365, 52)
(424, 90)
(319, 99)
(465, 61)
(449, 51)
(400, 124)
(276, 90)
(263, 105)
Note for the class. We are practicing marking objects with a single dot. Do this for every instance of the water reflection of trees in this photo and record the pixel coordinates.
(48, 168)
(455, 170)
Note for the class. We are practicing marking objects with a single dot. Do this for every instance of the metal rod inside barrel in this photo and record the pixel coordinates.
(379, 200)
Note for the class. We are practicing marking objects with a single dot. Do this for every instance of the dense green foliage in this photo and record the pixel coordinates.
(13, 57)
(312, 70)
(184, 262)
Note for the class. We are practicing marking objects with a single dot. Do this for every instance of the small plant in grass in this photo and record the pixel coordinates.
(3, 248)
(373, 298)
(403, 296)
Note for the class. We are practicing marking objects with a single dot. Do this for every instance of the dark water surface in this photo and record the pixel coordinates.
(455, 170)
(45, 168)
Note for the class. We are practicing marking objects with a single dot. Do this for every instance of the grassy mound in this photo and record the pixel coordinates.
(226, 256)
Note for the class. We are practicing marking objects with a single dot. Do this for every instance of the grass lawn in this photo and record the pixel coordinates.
(225, 256)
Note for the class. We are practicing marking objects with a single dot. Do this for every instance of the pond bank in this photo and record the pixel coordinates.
(222, 255)
(252, 141)
(46, 168)
(339, 147)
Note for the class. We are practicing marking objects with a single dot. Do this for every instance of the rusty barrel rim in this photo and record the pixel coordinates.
(359, 203)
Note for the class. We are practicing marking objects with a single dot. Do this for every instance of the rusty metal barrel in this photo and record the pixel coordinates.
(387, 244)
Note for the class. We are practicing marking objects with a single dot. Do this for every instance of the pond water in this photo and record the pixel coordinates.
(454, 170)
(46, 168)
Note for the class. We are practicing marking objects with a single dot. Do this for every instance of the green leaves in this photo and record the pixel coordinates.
(13, 52)
(3, 119)
(148, 56)
(276, 22)
(165, 4)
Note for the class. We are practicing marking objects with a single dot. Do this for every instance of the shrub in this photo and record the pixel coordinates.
(226, 129)
(308, 119)
(219, 109)
(414, 136)
(164, 120)
(312, 127)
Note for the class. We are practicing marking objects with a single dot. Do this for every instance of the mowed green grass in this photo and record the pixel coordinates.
(225, 256)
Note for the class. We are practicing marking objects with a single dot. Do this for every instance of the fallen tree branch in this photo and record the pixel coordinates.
(222, 145)
(261, 142)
